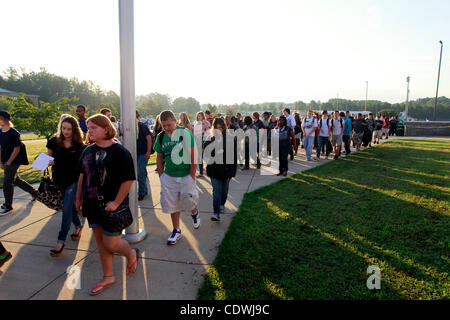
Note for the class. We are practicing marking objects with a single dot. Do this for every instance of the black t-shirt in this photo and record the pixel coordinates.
(359, 125)
(142, 140)
(64, 171)
(379, 124)
(8, 141)
(106, 167)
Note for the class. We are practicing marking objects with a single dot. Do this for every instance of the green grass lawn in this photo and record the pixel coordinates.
(313, 235)
(34, 149)
(30, 136)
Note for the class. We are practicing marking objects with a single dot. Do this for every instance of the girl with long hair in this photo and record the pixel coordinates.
(66, 148)
(201, 128)
(184, 121)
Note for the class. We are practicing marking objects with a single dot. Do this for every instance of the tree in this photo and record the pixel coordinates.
(153, 104)
(43, 120)
(388, 113)
(188, 105)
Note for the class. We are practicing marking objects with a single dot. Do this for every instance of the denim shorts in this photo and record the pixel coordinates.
(104, 232)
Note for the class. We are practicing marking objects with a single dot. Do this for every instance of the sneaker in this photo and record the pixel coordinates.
(215, 217)
(174, 237)
(5, 211)
(335, 157)
(309, 159)
(222, 209)
(326, 157)
(141, 197)
(196, 219)
(5, 257)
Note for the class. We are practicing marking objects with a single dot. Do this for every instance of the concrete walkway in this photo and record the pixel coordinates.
(164, 272)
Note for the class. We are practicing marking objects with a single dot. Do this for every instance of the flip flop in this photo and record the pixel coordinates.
(102, 287)
(134, 263)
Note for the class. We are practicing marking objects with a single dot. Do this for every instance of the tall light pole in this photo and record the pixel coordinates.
(437, 88)
(367, 91)
(128, 107)
(407, 99)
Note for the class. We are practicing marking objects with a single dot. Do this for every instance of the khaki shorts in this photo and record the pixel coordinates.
(336, 140)
(386, 131)
(178, 194)
(377, 133)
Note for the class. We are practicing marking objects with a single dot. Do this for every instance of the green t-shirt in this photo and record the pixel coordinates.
(183, 168)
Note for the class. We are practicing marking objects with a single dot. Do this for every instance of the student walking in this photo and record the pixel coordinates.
(385, 127)
(324, 135)
(358, 126)
(290, 123)
(11, 159)
(66, 148)
(347, 131)
(309, 126)
(298, 134)
(184, 122)
(378, 130)
(337, 131)
(143, 152)
(221, 173)
(178, 184)
(201, 128)
(106, 175)
(81, 113)
(284, 134)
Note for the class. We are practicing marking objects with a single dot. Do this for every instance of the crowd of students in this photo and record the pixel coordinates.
(95, 172)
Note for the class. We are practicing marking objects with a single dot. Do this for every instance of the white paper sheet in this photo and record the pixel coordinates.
(41, 162)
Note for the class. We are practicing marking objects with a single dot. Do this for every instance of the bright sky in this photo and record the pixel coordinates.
(233, 51)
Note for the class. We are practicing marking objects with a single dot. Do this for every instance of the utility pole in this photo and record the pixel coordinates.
(407, 99)
(367, 91)
(437, 88)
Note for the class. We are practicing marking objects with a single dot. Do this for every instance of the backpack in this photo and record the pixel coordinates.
(23, 154)
(340, 120)
(161, 137)
(320, 125)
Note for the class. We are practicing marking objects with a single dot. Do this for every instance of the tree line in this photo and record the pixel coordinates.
(53, 89)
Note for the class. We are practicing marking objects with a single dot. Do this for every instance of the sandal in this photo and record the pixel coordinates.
(134, 263)
(77, 236)
(101, 287)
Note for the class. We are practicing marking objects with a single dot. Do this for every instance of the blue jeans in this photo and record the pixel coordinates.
(323, 141)
(308, 143)
(69, 213)
(142, 174)
(220, 193)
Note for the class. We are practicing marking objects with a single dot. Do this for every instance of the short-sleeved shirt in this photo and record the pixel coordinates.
(168, 144)
(359, 125)
(310, 124)
(290, 121)
(348, 126)
(104, 169)
(324, 125)
(83, 125)
(385, 123)
(8, 141)
(142, 139)
(337, 125)
(64, 171)
(379, 125)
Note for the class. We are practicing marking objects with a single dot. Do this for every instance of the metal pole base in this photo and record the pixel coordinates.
(135, 237)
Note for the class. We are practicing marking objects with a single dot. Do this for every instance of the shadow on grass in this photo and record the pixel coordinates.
(313, 236)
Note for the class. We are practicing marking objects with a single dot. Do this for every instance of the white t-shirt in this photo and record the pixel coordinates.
(324, 130)
(337, 127)
(291, 121)
(310, 125)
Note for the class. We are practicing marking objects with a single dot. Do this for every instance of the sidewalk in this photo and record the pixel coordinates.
(164, 272)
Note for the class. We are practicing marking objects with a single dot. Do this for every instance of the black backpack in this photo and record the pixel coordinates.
(23, 154)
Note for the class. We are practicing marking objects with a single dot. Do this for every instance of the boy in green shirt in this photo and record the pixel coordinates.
(176, 154)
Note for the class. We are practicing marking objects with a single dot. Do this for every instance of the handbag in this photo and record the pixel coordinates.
(48, 193)
(117, 220)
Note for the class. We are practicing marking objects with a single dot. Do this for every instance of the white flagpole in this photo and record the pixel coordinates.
(128, 107)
